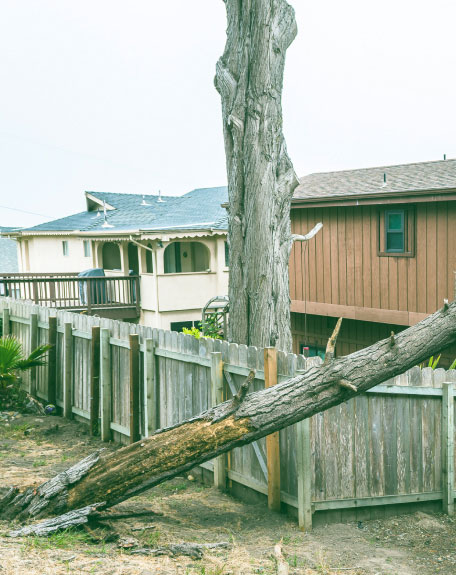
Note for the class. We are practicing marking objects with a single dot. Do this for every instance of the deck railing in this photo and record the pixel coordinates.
(68, 291)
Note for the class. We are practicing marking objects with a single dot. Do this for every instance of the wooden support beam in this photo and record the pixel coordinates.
(95, 381)
(52, 361)
(220, 462)
(105, 384)
(134, 388)
(33, 345)
(150, 399)
(68, 370)
(448, 447)
(272, 440)
(6, 321)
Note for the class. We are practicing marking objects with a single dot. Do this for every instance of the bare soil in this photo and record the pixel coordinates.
(33, 449)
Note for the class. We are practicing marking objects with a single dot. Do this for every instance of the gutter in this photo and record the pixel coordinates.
(357, 199)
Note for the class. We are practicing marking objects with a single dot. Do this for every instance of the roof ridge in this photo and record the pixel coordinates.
(129, 194)
(378, 167)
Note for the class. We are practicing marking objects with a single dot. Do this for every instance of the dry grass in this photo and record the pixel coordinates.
(195, 513)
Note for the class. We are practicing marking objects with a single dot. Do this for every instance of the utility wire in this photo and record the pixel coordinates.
(25, 212)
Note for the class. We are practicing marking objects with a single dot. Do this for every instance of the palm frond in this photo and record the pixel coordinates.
(39, 351)
(6, 378)
(10, 353)
(35, 359)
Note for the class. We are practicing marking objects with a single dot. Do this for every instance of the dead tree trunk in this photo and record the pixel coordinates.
(101, 481)
(261, 179)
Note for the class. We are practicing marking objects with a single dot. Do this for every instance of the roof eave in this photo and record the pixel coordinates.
(377, 197)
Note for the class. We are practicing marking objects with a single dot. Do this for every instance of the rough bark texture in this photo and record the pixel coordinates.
(261, 179)
(110, 479)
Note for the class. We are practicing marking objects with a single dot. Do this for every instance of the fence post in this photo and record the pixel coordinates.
(304, 475)
(448, 447)
(217, 397)
(6, 321)
(52, 361)
(67, 370)
(105, 383)
(134, 388)
(95, 380)
(33, 345)
(304, 471)
(272, 440)
(150, 400)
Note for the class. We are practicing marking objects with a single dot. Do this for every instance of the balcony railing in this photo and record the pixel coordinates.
(102, 295)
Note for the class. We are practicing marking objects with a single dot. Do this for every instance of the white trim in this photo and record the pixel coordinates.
(97, 201)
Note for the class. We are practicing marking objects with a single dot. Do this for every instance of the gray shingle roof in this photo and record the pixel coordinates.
(8, 253)
(196, 210)
(424, 176)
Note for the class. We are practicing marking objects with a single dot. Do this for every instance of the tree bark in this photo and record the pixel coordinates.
(261, 179)
(102, 481)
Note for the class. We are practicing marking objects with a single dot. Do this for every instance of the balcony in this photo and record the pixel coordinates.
(115, 297)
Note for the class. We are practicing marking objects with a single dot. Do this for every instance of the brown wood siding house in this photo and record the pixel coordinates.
(385, 258)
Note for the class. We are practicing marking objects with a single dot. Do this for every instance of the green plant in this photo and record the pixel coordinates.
(66, 539)
(207, 328)
(12, 362)
(211, 327)
(152, 538)
(453, 365)
(13, 359)
(194, 331)
(432, 363)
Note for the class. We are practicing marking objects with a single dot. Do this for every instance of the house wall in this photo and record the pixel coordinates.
(342, 274)
(45, 255)
(354, 335)
(164, 319)
(181, 296)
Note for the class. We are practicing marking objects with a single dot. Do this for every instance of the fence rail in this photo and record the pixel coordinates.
(391, 445)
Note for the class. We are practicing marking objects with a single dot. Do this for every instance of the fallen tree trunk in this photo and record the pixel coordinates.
(103, 480)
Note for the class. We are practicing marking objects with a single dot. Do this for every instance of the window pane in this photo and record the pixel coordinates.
(395, 241)
(149, 264)
(395, 221)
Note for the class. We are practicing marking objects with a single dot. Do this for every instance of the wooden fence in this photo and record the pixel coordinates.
(390, 446)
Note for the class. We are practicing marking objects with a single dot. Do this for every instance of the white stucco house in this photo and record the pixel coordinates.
(175, 244)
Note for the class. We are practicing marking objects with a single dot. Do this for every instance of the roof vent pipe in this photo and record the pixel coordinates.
(444, 156)
(105, 223)
(384, 180)
(160, 196)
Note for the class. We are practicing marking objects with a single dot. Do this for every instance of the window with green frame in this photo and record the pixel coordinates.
(395, 231)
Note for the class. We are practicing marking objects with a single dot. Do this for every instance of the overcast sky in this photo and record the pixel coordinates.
(118, 96)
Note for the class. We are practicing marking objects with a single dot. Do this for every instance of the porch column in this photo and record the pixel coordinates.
(123, 246)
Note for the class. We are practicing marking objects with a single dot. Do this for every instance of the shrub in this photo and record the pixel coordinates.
(13, 361)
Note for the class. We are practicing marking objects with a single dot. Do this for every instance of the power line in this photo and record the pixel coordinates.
(25, 212)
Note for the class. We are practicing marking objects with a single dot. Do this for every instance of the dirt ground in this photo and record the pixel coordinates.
(32, 449)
